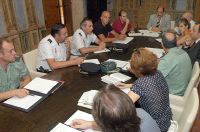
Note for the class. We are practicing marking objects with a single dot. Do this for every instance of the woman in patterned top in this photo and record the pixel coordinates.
(150, 90)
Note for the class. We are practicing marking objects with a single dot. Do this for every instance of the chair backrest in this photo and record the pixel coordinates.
(30, 59)
(189, 112)
(193, 80)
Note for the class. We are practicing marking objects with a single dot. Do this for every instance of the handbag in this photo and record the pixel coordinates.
(108, 66)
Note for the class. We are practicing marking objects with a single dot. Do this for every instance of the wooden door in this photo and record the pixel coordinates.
(67, 8)
(51, 13)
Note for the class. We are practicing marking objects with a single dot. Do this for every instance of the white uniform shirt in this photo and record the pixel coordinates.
(81, 40)
(49, 49)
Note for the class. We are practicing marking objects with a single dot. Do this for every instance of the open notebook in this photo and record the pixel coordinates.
(81, 115)
(86, 99)
(115, 78)
(39, 89)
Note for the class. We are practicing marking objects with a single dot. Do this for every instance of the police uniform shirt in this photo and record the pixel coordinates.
(49, 49)
(81, 40)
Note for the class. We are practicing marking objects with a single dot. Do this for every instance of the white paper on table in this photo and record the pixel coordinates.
(102, 51)
(151, 34)
(109, 80)
(41, 85)
(63, 128)
(158, 52)
(126, 90)
(134, 34)
(81, 115)
(25, 102)
(121, 77)
(119, 63)
(127, 66)
(125, 41)
(159, 40)
(87, 98)
(95, 61)
(147, 31)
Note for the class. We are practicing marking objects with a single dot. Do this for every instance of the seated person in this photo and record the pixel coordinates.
(122, 24)
(189, 16)
(194, 49)
(103, 29)
(114, 111)
(159, 21)
(13, 73)
(185, 35)
(175, 65)
(150, 91)
(83, 37)
(54, 51)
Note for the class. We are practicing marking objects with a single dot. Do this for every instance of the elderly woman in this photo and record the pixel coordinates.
(184, 28)
(114, 111)
(150, 90)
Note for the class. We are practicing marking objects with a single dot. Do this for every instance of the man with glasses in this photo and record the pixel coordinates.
(13, 73)
(104, 31)
(159, 22)
(54, 50)
(122, 24)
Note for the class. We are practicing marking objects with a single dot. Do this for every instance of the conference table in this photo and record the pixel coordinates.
(60, 105)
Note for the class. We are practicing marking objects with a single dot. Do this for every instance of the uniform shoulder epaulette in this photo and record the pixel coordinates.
(50, 41)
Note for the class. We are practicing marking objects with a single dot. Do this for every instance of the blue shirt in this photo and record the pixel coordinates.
(148, 124)
(154, 98)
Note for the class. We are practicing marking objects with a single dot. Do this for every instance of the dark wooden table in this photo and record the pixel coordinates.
(59, 106)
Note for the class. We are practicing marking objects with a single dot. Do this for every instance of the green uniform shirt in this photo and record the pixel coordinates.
(176, 67)
(10, 79)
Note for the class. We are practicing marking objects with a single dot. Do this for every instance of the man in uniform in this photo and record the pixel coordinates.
(13, 73)
(53, 51)
(83, 37)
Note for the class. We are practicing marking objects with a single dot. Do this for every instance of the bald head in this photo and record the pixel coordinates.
(105, 17)
(169, 40)
(188, 15)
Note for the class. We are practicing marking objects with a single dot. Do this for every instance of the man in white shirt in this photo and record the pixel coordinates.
(53, 50)
(188, 15)
(83, 37)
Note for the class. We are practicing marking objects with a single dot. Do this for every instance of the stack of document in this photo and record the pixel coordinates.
(158, 52)
(135, 34)
(95, 61)
(86, 99)
(39, 89)
(63, 128)
(102, 51)
(119, 63)
(125, 41)
(81, 115)
(149, 33)
(115, 78)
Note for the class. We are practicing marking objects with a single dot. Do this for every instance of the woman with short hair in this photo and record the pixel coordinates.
(150, 90)
(185, 38)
